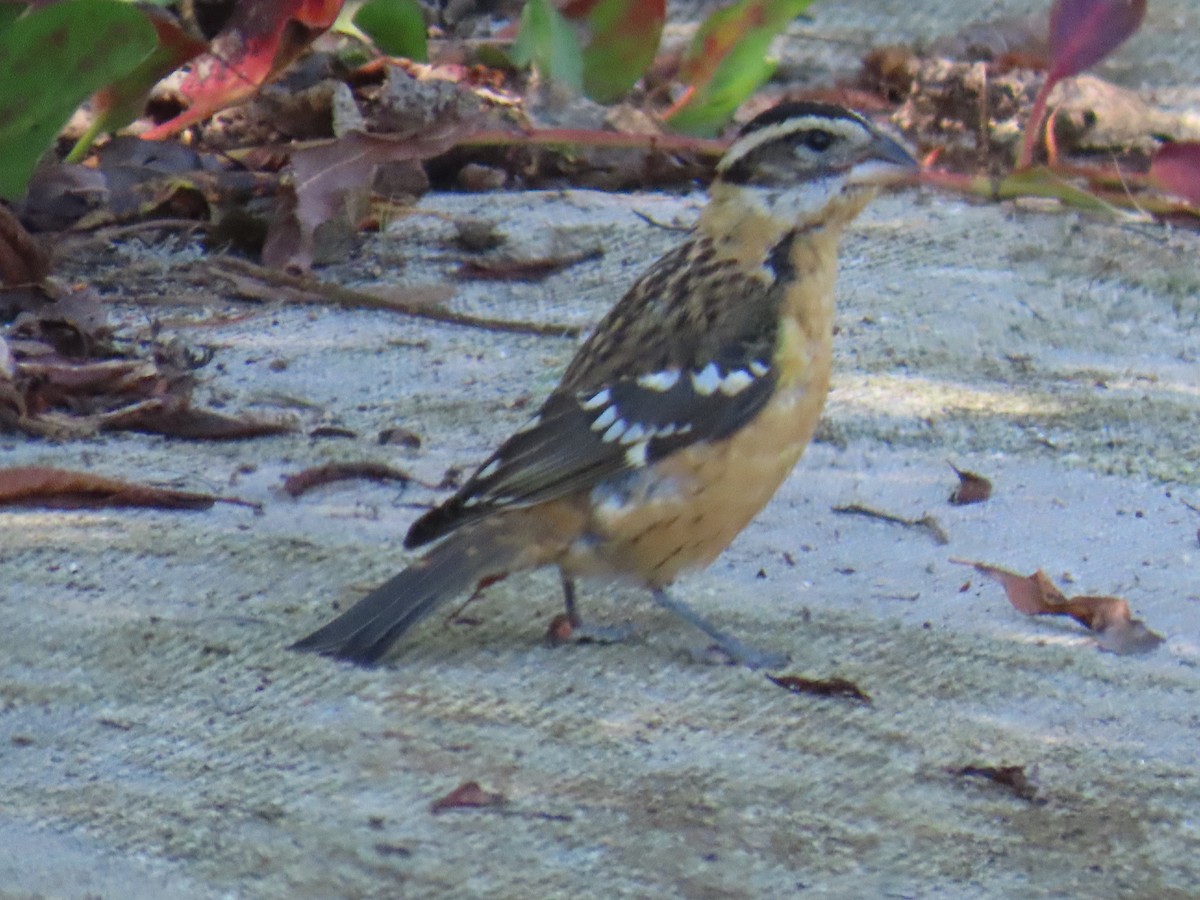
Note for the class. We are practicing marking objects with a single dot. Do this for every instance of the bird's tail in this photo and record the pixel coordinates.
(364, 632)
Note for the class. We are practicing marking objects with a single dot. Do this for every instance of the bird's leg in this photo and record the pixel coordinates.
(568, 586)
(727, 644)
(581, 633)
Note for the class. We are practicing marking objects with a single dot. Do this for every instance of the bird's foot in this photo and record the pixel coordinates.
(564, 630)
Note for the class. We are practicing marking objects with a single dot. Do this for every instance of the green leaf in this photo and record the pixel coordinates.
(727, 62)
(547, 41)
(623, 37)
(1044, 182)
(9, 12)
(51, 59)
(396, 27)
(117, 104)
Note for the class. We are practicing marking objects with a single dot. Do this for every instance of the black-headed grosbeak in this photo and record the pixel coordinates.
(680, 416)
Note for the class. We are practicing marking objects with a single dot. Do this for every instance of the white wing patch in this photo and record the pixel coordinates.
(707, 381)
(615, 431)
(659, 381)
(736, 382)
(635, 433)
(710, 379)
(598, 400)
(605, 419)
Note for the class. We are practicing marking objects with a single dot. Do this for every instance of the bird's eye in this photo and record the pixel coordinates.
(818, 139)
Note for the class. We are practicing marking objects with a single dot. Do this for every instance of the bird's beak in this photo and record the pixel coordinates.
(887, 162)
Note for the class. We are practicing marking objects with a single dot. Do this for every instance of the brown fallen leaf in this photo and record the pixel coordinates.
(89, 376)
(972, 488)
(175, 418)
(1109, 617)
(468, 795)
(306, 480)
(332, 431)
(326, 175)
(44, 486)
(822, 687)
(23, 261)
(1011, 777)
(522, 269)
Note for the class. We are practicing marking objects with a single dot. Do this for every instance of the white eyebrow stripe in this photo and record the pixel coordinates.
(747, 144)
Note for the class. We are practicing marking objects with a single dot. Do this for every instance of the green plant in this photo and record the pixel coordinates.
(52, 58)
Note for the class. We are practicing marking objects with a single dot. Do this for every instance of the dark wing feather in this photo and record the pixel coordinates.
(686, 356)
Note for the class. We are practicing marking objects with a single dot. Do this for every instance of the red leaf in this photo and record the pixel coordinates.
(1083, 32)
(120, 102)
(1175, 169)
(260, 40)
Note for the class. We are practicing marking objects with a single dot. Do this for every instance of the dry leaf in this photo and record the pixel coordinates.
(326, 174)
(822, 687)
(971, 488)
(522, 269)
(468, 795)
(306, 480)
(22, 259)
(1011, 777)
(44, 486)
(1109, 617)
(176, 417)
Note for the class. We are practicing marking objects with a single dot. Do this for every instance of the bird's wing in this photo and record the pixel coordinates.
(658, 375)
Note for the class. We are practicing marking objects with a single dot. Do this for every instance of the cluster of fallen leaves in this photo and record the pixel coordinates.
(1110, 619)
(65, 373)
(309, 142)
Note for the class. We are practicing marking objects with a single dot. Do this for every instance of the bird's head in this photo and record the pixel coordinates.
(806, 163)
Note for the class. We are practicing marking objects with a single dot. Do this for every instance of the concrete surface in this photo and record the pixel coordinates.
(156, 732)
(156, 740)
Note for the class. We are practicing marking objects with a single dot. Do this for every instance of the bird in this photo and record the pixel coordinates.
(681, 414)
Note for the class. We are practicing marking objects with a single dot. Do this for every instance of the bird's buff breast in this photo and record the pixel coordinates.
(680, 513)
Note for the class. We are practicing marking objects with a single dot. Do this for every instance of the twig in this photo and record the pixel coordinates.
(112, 232)
(926, 523)
(523, 269)
(571, 137)
(665, 226)
(322, 292)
